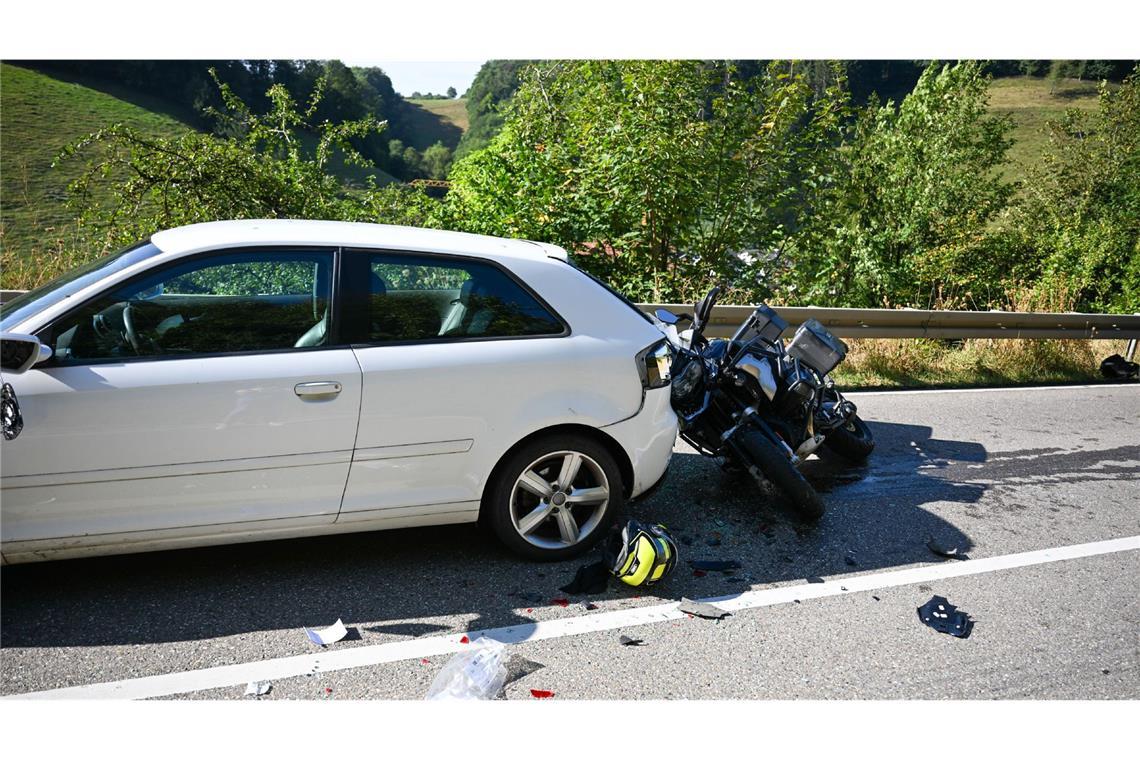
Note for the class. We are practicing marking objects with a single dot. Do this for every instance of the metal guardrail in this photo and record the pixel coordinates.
(919, 323)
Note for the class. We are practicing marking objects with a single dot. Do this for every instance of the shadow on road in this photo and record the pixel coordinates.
(399, 584)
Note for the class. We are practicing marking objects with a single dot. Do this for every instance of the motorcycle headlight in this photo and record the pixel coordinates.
(687, 382)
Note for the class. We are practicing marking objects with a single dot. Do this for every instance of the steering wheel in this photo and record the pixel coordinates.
(139, 344)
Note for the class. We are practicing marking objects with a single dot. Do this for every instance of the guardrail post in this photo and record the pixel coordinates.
(1130, 353)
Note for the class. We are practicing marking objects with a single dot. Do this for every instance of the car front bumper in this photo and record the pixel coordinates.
(648, 439)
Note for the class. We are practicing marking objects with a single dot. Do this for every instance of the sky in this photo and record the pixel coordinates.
(424, 76)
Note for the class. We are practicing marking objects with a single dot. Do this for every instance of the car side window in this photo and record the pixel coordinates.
(425, 298)
(221, 303)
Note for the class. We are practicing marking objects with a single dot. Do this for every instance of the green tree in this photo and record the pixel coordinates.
(669, 164)
(913, 185)
(262, 171)
(1079, 224)
(436, 160)
(451, 93)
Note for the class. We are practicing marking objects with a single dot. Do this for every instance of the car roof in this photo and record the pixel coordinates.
(256, 232)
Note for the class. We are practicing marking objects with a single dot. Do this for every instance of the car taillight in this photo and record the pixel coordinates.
(653, 364)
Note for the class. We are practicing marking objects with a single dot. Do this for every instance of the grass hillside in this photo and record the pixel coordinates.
(1031, 102)
(39, 115)
(437, 121)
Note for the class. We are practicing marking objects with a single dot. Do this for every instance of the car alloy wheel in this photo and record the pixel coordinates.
(559, 500)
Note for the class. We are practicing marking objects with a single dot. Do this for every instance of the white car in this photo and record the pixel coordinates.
(251, 380)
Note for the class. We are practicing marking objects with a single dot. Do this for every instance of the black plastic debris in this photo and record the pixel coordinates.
(629, 641)
(702, 610)
(714, 565)
(814, 579)
(849, 560)
(944, 617)
(949, 552)
(1116, 367)
(13, 421)
(590, 579)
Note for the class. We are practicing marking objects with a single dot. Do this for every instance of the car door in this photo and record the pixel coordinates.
(446, 374)
(207, 395)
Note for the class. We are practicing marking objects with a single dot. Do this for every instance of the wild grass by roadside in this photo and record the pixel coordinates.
(922, 362)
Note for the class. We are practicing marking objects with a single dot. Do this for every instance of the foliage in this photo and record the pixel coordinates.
(259, 172)
(494, 85)
(671, 164)
(915, 188)
(1079, 224)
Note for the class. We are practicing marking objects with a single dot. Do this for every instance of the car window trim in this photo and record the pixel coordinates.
(46, 334)
(358, 328)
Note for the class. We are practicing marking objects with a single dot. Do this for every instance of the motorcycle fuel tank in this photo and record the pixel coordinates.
(761, 369)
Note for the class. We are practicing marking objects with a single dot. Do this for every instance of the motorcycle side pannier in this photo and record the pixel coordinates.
(816, 347)
(769, 324)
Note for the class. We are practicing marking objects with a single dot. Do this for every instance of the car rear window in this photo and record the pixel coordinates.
(422, 297)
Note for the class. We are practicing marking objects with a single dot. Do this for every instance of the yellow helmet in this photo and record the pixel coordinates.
(643, 554)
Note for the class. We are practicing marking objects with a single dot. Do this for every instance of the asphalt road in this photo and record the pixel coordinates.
(995, 473)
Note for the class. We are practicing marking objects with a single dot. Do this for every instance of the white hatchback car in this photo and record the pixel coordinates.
(252, 380)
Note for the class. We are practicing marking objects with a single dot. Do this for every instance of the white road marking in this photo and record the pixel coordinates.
(356, 657)
(985, 390)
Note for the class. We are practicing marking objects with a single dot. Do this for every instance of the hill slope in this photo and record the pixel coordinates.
(39, 115)
(1031, 102)
(435, 120)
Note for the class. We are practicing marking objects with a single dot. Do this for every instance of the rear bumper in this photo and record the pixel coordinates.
(648, 439)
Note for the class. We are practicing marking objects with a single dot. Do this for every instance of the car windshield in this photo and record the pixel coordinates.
(25, 305)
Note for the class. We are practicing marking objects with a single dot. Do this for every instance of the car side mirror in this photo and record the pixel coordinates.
(19, 352)
(667, 316)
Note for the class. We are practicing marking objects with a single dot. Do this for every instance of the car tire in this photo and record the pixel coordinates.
(782, 473)
(852, 441)
(557, 521)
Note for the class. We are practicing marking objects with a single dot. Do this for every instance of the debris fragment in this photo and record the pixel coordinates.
(714, 541)
(425, 661)
(702, 610)
(944, 617)
(699, 573)
(590, 579)
(591, 606)
(850, 560)
(814, 579)
(475, 673)
(326, 636)
(258, 688)
(541, 693)
(877, 599)
(628, 641)
(949, 552)
(561, 601)
(714, 565)
(465, 640)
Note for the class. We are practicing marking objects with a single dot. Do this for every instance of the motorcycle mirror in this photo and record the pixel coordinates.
(667, 316)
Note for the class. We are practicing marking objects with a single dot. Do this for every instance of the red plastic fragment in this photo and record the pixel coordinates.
(530, 609)
(591, 606)
(699, 573)
(465, 640)
(541, 694)
(425, 661)
(561, 602)
(328, 690)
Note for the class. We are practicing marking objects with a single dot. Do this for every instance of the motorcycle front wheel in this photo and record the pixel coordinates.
(782, 473)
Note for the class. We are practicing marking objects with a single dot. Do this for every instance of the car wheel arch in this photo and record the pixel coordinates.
(625, 466)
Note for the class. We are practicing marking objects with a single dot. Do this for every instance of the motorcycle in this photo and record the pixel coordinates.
(761, 405)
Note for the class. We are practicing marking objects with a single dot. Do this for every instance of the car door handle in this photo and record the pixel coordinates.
(324, 388)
